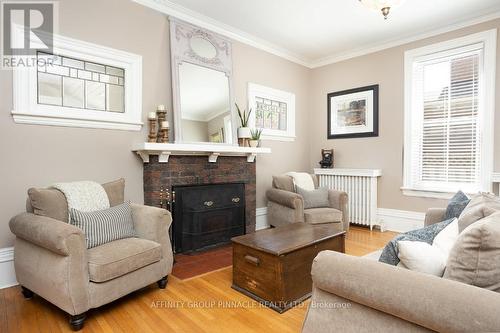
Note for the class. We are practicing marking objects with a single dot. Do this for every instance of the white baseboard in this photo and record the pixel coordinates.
(389, 219)
(261, 218)
(400, 220)
(7, 272)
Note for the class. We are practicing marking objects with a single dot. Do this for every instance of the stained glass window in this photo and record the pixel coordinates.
(270, 114)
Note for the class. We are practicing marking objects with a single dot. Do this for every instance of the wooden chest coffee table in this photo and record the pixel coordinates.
(273, 266)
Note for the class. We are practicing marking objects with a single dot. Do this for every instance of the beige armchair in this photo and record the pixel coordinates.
(352, 294)
(285, 206)
(52, 260)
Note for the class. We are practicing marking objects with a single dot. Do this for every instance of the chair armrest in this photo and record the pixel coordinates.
(152, 223)
(429, 301)
(434, 215)
(339, 200)
(285, 198)
(48, 233)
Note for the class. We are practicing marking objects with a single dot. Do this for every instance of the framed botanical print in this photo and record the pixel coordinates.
(353, 113)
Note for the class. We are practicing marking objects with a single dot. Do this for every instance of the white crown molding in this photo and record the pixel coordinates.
(190, 16)
(180, 12)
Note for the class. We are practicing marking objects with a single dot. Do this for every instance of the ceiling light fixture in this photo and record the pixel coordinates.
(383, 6)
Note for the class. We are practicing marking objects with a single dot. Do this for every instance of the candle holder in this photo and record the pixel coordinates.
(152, 130)
(162, 116)
(163, 135)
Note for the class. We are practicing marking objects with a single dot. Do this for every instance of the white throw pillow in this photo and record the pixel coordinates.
(446, 238)
(422, 257)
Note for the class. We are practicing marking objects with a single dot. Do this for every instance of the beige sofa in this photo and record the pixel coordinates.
(284, 206)
(352, 294)
(52, 260)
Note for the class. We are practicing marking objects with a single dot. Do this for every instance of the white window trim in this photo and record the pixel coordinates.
(26, 110)
(257, 90)
(489, 40)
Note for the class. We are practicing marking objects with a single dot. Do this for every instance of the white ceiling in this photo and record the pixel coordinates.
(315, 32)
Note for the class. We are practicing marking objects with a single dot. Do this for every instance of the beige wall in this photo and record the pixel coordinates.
(41, 155)
(386, 151)
(252, 65)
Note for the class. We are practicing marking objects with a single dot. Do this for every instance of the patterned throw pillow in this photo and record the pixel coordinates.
(104, 226)
(456, 205)
(315, 198)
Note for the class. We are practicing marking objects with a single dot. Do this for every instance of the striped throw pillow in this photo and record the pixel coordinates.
(103, 226)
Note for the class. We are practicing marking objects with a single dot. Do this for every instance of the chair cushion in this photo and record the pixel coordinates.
(322, 215)
(284, 183)
(52, 203)
(115, 191)
(48, 202)
(117, 258)
(104, 226)
(315, 198)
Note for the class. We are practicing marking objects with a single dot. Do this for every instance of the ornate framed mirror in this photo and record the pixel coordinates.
(202, 85)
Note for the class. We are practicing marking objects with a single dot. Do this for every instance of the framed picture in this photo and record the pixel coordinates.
(353, 113)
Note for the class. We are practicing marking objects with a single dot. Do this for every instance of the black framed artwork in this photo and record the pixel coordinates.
(353, 113)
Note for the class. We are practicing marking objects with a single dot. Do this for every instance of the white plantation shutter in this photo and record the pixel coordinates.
(446, 108)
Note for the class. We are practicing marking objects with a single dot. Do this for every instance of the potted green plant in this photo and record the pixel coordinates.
(255, 140)
(244, 130)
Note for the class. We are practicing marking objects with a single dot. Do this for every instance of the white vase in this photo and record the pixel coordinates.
(253, 143)
(244, 133)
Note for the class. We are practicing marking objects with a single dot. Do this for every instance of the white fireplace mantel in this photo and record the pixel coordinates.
(164, 150)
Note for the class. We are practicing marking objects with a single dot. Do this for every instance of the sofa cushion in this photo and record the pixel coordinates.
(104, 226)
(48, 202)
(315, 198)
(481, 205)
(117, 258)
(421, 257)
(427, 234)
(474, 259)
(115, 191)
(284, 183)
(322, 215)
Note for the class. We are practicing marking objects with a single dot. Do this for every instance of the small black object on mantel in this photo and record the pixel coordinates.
(327, 158)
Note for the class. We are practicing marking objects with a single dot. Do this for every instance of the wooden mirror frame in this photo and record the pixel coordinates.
(181, 34)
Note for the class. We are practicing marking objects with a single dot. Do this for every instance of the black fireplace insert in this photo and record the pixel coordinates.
(206, 216)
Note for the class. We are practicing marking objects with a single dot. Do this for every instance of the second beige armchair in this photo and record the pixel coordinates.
(286, 206)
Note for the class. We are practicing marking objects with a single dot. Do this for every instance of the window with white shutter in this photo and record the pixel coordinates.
(448, 116)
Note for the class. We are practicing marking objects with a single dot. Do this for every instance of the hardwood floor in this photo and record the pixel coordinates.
(204, 303)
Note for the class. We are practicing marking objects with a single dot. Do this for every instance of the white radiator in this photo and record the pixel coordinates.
(361, 187)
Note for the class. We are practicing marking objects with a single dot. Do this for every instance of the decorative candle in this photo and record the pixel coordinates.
(164, 124)
(152, 115)
(161, 107)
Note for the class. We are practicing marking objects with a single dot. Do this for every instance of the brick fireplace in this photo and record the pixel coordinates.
(160, 178)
